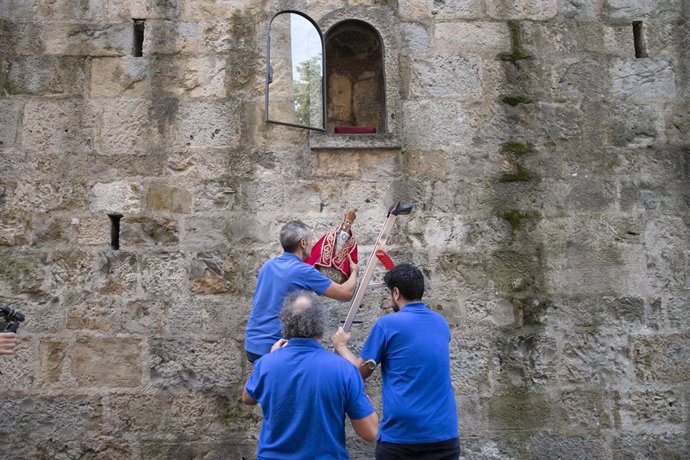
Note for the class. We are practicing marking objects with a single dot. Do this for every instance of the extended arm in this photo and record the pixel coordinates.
(345, 291)
(340, 340)
(367, 428)
(246, 399)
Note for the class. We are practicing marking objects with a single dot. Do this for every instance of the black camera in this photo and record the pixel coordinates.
(11, 318)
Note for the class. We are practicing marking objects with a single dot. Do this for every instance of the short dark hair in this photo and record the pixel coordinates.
(291, 234)
(303, 315)
(408, 279)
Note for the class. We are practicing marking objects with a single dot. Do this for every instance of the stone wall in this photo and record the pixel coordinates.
(547, 164)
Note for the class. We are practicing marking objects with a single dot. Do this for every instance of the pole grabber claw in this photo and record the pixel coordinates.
(377, 255)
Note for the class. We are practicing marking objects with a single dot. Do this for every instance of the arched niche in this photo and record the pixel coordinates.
(355, 79)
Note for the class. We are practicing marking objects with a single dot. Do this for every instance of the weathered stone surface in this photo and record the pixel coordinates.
(415, 10)
(643, 79)
(50, 75)
(471, 38)
(435, 123)
(50, 415)
(163, 449)
(589, 410)
(107, 362)
(640, 445)
(661, 358)
(87, 39)
(446, 76)
(522, 9)
(204, 124)
(116, 198)
(10, 113)
(148, 231)
(193, 77)
(595, 358)
(170, 199)
(163, 273)
(195, 364)
(652, 407)
(165, 37)
(58, 126)
(620, 11)
(519, 410)
(125, 128)
(548, 447)
(415, 38)
(470, 362)
(120, 76)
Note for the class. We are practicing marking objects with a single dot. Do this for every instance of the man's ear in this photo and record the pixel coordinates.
(396, 293)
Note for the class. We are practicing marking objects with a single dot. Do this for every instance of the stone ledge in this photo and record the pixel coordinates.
(322, 141)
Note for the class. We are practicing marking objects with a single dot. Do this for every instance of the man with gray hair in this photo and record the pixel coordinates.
(305, 391)
(284, 274)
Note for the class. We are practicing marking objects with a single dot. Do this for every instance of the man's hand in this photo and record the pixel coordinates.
(340, 339)
(279, 344)
(8, 343)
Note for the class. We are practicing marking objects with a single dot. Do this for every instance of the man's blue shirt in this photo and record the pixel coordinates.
(305, 392)
(277, 278)
(418, 399)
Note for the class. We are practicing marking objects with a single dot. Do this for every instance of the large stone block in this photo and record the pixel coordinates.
(575, 448)
(421, 10)
(580, 10)
(161, 449)
(661, 358)
(93, 231)
(595, 358)
(650, 408)
(518, 410)
(191, 77)
(169, 199)
(522, 9)
(41, 196)
(216, 196)
(634, 125)
(50, 415)
(164, 274)
(87, 39)
(205, 232)
(625, 11)
(196, 364)
(20, 37)
(14, 231)
(107, 362)
(210, 316)
(126, 128)
(209, 124)
(170, 37)
(118, 272)
(415, 38)
(46, 75)
(471, 38)
(436, 124)
(116, 198)
(10, 113)
(589, 411)
(52, 358)
(666, 261)
(470, 360)
(19, 372)
(203, 9)
(507, 446)
(526, 361)
(120, 76)
(643, 79)
(58, 126)
(446, 76)
(640, 445)
(148, 231)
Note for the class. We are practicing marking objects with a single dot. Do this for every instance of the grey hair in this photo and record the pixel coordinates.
(303, 315)
(291, 234)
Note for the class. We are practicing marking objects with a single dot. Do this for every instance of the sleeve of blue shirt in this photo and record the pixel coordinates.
(358, 404)
(375, 344)
(314, 280)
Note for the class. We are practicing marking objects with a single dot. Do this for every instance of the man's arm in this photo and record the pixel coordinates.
(345, 291)
(340, 340)
(246, 399)
(367, 428)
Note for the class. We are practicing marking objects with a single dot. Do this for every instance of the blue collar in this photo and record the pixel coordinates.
(289, 255)
(416, 306)
(303, 342)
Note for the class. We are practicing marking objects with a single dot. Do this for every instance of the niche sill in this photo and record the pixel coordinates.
(325, 141)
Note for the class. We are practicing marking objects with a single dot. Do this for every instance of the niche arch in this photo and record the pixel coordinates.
(355, 78)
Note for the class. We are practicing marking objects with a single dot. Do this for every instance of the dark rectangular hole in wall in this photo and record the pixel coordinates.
(138, 41)
(638, 37)
(115, 230)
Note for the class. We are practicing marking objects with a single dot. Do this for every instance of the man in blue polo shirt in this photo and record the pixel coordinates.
(419, 413)
(305, 391)
(281, 275)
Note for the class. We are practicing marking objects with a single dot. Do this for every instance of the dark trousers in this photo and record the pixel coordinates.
(444, 450)
(252, 356)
